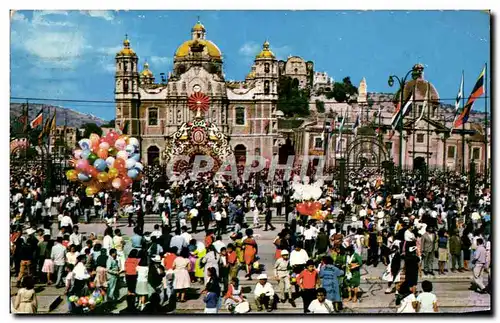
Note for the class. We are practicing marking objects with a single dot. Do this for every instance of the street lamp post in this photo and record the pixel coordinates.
(402, 83)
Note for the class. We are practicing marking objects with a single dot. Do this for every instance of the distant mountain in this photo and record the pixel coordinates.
(71, 117)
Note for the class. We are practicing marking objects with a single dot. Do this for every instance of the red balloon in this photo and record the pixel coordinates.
(126, 181)
(92, 171)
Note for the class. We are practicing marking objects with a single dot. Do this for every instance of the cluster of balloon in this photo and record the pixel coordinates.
(308, 208)
(108, 163)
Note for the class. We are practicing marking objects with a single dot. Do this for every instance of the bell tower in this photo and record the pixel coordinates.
(127, 89)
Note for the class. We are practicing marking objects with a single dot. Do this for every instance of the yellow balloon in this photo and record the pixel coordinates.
(89, 191)
(72, 175)
(125, 137)
(94, 138)
(112, 172)
(102, 177)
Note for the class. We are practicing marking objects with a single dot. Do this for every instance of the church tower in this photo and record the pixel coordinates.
(266, 74)
(127, 89)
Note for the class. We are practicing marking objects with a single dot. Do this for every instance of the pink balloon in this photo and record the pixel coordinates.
(116, 183)
(120, 144)
(77, 153)
(82, 164)
(122, 154)
(104, 145)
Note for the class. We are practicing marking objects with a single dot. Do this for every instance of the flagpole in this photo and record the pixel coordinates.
(415, 111)
(485, 124)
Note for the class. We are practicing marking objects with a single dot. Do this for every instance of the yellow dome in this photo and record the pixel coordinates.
(266, 52)
(146, 72)
(126, 51)
(212, 49)
(251, 75)
(198, 27)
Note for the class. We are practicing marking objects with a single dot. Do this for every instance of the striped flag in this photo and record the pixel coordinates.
(401, 113)
(477, 91)
(460, 95)
(424, 105)
(38, 120)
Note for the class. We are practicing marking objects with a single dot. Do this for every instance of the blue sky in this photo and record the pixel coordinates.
(70, 54)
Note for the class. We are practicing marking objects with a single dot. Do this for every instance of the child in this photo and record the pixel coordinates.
(256, 223)
(427, 301)
(211, 300)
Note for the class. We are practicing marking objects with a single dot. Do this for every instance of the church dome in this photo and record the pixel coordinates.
(198, 43)
(126, 51)
(146, 72)
(418, 86)
(266, 52)
(211, 49)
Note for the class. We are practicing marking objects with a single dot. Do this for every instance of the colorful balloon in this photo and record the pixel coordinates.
(116, 183)
(82, 164)
(104, 145)
(127, 182)
(72, 175)
(100, 164)
(85, 144)
(120, 144)
(110, 161)
(102, 153)
(132, 173)
(122, 154)
(139, 166)
(83, 177)
(102, 177)
(94, 138)
(85, 154)
(77, 153)
(134, 142)
(112, 151)
(130, 163)
(92, 171)
(136, 156)
(92, 158)
(112, 172)
(130, 149)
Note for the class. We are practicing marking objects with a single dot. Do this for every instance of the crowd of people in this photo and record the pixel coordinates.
(320, 261)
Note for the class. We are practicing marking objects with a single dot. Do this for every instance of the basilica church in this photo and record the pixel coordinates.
(195, 110)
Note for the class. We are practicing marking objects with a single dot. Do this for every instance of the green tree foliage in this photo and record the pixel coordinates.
(91, 128)
(320, 106)
(292, 100)
(110, 124)
(342, 91)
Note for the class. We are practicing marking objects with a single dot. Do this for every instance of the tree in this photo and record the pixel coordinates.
(91, 128)
(320, 106)
(292, 100)
(110, 124)
(341, 92)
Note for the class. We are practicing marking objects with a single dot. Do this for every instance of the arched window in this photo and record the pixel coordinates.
(125, 66)
(240, 153)
(125, 86)
(153, 155)
(153, 116)
(240, 116)
(266, 68)
(266, 87)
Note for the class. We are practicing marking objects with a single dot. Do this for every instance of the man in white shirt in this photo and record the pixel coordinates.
(193, 216)
(156, 232)
(427, 301)
(310, 234)
(187, 237)
(66, 221)
(298, 257)
(218, 244)
(264, 294)
(321, 305)
(58, 256)
(76, 238)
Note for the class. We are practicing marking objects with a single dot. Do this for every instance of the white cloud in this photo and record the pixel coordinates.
(281, 51)
(159, 61)
(51, 12)
(104, 14)
(17, 16)
(56, 46)
(250, 49)
(109, 68)
(110, 50)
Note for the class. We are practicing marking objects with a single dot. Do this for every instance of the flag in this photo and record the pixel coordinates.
(341, 125)
(23, 119)
(424, 106)
(401, 113)
(38, 120)
(460, 95)
(477, 91)
(356, 125)
(49, 124)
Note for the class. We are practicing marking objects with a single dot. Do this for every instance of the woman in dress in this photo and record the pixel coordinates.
(107, 241)
(48, 264)
(141, 288)
(198, 253)
(442, 250)
(181, 275)
(329, 275)
(353, 274)
(234, 295)
(25, 301)
(101, 264)
(131, 271)
(211, 260)
(71, 255)
(392, 272)
(250, 251)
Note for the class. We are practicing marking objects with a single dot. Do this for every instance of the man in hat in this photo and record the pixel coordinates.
(282, 274)
(264, 294)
